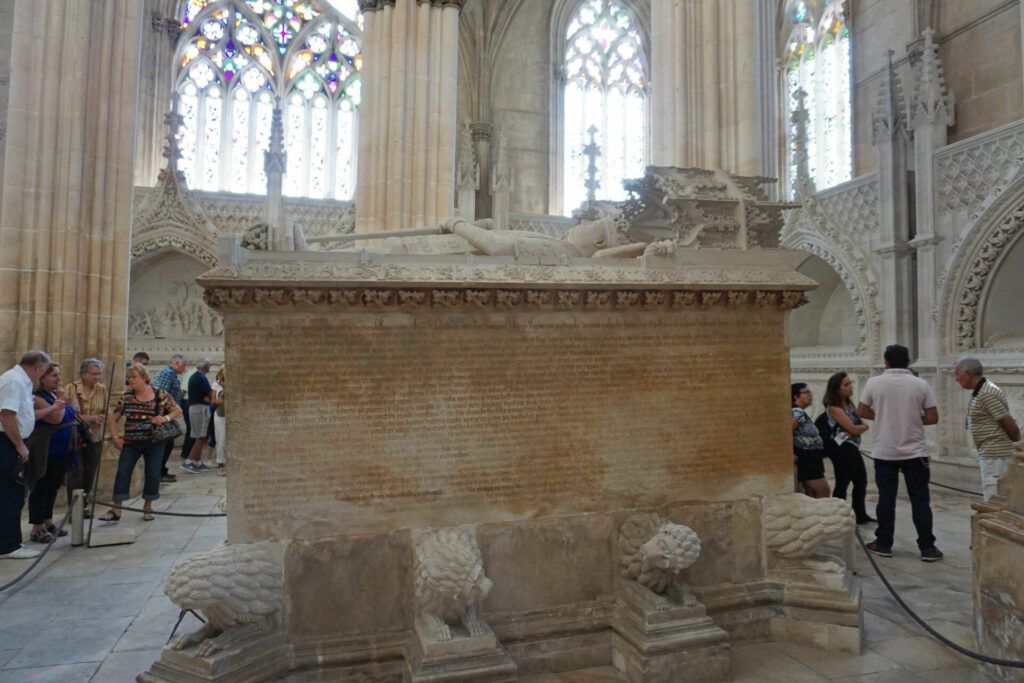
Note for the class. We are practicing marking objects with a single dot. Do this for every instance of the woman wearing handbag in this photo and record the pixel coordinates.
(88, 396)
(843, 443)
(149, 419)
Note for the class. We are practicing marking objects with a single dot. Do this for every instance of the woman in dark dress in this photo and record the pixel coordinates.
(808, 448)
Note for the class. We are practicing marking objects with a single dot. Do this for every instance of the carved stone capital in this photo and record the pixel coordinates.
(481, 130)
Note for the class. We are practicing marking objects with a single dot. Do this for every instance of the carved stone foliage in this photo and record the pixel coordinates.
(446, 298)
(449, 582)
(653, 550)
(796, 526)
(967, 176)
(979, 271)
(151, 244)
(181, 313)
(236, 588)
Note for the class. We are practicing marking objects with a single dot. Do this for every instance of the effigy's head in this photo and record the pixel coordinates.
(673, 548)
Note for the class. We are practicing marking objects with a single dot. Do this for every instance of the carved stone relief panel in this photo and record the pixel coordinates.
(166, 311)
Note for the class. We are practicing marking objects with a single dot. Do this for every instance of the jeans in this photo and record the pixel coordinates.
(916, 474)
(153, 453)
(44, 495)
(168, 447)
(12, 497)
(849, 467)
(188, 442)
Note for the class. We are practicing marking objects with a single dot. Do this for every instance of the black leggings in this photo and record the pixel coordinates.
(849, 466)
(44, 493)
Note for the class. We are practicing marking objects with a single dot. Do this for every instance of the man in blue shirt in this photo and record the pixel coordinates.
(167, 379)
(200, 393)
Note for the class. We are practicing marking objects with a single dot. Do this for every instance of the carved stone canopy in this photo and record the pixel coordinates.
(702, 208)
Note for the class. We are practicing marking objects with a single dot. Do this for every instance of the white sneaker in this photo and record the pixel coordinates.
(221, 472)
(21, 553)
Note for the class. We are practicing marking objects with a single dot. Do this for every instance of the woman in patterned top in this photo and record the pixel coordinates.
(808, 447)
(143, 407)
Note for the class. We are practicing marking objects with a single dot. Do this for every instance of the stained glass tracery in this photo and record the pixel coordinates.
(817, 59)
(236, 58)
(605, 87)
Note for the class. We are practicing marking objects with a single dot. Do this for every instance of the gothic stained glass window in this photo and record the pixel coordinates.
(236, 58)
(605, 87)
(817, 59)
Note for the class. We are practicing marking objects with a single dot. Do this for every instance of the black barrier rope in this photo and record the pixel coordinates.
(181, 616)
(921, 622)
(19, 577)
(159, 512)
(935, 483)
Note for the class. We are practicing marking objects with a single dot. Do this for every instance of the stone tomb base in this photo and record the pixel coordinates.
(529, 410)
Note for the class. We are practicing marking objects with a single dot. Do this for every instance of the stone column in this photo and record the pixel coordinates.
(275, 165)
(704, 95)
(482, 132)
(65, 207)
(502, 182)
(467, 176)
(889, 136)
(407, 118)
(931, 112)
(160, 31)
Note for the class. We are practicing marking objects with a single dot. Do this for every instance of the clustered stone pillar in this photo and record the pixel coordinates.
(65, 207)
(407, 122)
(160, 31)
(703, 85)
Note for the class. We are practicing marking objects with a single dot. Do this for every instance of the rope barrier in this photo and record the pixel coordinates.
(19, 577)
(923, 624)
(159, 512)
(181, 617)
(935, 483)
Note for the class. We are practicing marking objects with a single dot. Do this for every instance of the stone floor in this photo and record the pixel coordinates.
(100, 615)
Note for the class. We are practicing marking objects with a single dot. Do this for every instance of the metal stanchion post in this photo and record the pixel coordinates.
(77, 517)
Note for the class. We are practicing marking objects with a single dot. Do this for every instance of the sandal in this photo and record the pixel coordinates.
(148, 517)
(53, 530)
(110, 517)
(41, 537)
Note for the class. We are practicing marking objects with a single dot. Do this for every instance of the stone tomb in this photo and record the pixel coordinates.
(448, 452)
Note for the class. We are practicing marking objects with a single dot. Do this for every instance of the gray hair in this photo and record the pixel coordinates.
(970, 365)
(177, 357)
(88, 364)
(34, 358)
(203, 364)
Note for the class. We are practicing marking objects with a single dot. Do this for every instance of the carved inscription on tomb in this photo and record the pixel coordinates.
(352, 418)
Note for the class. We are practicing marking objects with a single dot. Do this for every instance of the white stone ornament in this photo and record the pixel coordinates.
(450, 584)
(653, 550)
(236, 588)
(797, 526)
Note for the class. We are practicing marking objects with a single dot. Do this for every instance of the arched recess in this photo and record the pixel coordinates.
(1001, 323)
(987, 246)
(166, 311)
(858, 289)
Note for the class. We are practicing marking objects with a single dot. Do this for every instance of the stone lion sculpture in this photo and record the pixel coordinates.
(796, 526)
(653, 550)
(450, 584)
(237, 589)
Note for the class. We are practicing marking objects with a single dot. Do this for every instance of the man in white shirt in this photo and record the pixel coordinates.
(901, 405)
(17, 420)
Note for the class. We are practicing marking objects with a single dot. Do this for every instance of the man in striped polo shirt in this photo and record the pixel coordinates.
(992, 427)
